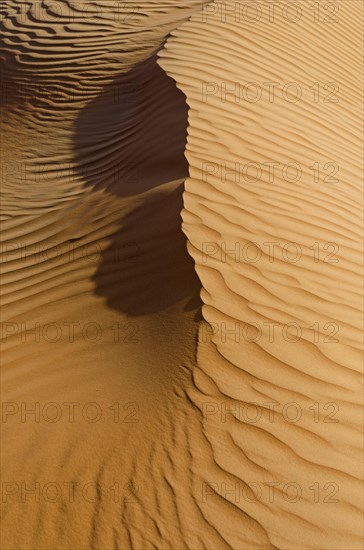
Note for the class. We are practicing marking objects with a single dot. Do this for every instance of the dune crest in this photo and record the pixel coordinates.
(100, 299)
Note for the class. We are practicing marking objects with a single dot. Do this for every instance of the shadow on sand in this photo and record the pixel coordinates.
(130, 142)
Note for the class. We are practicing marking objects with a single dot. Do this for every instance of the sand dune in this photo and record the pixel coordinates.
(131, 418)
(278, 256)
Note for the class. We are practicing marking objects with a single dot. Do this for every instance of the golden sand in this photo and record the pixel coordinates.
(181, 275)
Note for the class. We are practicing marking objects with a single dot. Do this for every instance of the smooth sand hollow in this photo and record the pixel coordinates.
(181, 275)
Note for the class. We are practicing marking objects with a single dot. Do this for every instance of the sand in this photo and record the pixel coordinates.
(181, 275)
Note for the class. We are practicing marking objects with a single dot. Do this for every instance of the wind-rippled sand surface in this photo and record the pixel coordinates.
(153, 425)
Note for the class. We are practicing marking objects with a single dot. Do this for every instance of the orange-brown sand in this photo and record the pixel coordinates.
(181, 275)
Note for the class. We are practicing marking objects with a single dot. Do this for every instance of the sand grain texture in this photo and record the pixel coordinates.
(102, 281)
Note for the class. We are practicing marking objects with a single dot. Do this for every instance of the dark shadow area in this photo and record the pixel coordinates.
(130, 142)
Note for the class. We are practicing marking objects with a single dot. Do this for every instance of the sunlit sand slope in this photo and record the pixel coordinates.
(273, 216)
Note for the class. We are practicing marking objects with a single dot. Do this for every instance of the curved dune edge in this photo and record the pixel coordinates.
(278, 380)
